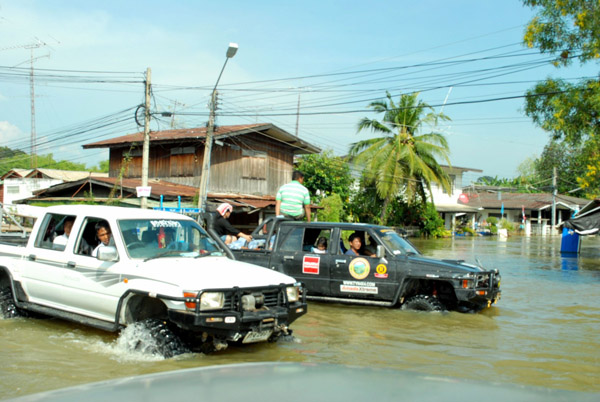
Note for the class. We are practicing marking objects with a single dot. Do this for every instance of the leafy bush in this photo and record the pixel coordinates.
(492, 220)
(469, 230)
(332, 209)
(433, 224)
(505, 224)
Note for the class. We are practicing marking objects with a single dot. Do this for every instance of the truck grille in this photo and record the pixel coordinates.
(264, 297)
(483, 281)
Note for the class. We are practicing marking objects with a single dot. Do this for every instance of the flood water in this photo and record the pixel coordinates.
(544, 332)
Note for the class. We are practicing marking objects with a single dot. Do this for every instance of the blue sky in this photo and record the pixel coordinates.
(348, 53)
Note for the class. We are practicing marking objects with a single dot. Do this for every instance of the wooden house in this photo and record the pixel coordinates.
(250, 159)
(248, 162)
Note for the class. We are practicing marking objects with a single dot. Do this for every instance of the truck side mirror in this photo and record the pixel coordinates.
(380, 251)
(108, 253)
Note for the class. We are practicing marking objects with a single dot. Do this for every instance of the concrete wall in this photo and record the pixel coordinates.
(18, 189)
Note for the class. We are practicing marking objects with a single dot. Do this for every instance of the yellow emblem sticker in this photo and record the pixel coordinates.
(381, 271)
(359, 268)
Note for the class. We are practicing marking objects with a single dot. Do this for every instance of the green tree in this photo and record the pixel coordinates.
(16, 159)
(520, 184)
(527, 167)
(402, 160)
(325, 174)
(567, 111)
(13, 159)
(365, 206)
(332, 209)
(568, 163)
(568, 30)
(103, 167)
(589, 182)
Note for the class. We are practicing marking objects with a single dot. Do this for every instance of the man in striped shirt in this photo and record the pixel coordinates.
(293, 199)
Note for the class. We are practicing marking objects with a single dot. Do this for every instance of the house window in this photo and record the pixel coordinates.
(133, 152)
(254, 164)
(12, 189)
(452, 178)
(183, 150)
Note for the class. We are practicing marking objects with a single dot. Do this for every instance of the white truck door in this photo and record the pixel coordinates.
(69, 279)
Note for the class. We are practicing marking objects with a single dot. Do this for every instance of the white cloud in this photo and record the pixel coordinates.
(9, 133)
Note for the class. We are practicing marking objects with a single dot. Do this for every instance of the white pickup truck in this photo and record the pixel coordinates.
(157, 269)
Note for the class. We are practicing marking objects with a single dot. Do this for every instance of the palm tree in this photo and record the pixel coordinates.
(402, 159)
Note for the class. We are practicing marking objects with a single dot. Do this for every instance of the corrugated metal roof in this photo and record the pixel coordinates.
(159, 187)
(65, 175)
(169, 190)
(16, 172)
(519, 200)
(199, 133)
(455, 208)
(171, 135)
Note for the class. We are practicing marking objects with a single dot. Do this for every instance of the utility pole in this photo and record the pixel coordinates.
(207, 152)
(146, 147)
(175, 104)
(31, 47)
(33, 134)
(554, 190)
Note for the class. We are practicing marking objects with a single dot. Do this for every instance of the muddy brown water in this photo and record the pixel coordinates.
(545, 331)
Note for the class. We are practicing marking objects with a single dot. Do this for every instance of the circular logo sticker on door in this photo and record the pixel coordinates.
(359, 268)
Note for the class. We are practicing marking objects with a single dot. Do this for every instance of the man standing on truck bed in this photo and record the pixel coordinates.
(293, 199)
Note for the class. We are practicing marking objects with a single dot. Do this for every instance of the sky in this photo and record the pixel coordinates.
(330, 58)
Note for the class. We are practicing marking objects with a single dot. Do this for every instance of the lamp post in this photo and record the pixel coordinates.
(203, 190)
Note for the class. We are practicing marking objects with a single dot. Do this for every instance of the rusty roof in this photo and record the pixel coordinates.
(159, 187)
(199, 133)
(169, 191)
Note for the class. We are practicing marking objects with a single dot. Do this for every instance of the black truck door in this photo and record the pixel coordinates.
(299, 258)
(362, 276)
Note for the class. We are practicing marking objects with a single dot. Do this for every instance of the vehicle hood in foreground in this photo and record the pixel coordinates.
(302, 382)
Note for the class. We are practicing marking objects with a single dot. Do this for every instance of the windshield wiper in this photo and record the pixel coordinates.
(206, 254)
(159, 255)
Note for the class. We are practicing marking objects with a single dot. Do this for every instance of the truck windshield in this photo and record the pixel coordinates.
(396, 243)
(152, 238)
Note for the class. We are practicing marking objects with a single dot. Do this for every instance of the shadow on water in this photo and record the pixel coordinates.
(543, 332)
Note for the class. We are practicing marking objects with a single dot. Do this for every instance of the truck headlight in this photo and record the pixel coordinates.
(212, 301)
(293, 293)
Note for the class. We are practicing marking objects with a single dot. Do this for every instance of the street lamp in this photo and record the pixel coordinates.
(203, 190)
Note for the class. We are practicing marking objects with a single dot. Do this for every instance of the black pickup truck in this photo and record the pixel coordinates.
(395, 273)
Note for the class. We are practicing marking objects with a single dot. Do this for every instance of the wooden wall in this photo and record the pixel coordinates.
(247, 164)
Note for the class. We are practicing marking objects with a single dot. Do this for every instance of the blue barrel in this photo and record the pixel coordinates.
(569, 242)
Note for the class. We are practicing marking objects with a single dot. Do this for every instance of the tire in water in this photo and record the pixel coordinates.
(423, 303)
(159, 339)
(8, 308)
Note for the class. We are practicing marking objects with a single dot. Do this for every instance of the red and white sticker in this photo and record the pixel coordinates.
(310, 265)
(359, 287)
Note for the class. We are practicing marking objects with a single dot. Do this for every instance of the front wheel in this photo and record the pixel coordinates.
(423, 303)
(156, 337)
(8, 308)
